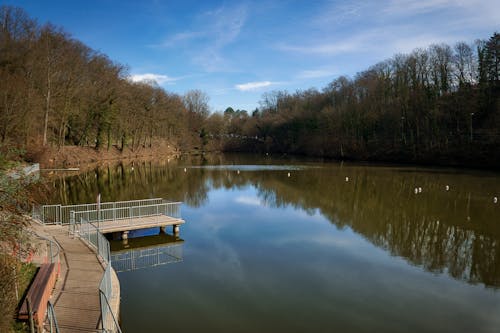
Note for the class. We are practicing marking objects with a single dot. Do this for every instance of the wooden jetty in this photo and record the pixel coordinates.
(86, 298)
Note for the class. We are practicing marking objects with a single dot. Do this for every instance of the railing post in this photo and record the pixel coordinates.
(30, 316)
(50, 252)
(58, 214)
(72, 222)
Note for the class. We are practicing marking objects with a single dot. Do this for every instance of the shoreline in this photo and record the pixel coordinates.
(85, 157)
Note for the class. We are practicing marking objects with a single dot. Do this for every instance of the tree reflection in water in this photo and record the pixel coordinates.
(453, 231)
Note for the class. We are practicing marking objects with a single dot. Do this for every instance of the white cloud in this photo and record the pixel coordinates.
(150, 77)
(212, 31)
(181, 37)
(249, 86)
(316, 73)
(412, 7)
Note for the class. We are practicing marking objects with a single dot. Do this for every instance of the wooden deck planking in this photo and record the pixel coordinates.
(137, 223)
(76, 295)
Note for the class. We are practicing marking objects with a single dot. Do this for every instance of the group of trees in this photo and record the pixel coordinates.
(55, 91)
(439, 104)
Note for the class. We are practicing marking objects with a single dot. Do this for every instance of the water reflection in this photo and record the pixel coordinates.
(147, 251)
(454, 231)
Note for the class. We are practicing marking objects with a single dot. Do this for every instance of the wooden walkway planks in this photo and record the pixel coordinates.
(76, 296)
(137, 223)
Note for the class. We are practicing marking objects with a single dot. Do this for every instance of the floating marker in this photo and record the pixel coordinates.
(289, 174)
(495, 199)
(447, 187)
(346, 179)
(238, 172)
(185, 170)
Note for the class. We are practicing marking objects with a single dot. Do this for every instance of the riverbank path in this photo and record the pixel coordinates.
(76, 294)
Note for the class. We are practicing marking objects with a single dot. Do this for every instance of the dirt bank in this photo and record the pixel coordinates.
(75, 156)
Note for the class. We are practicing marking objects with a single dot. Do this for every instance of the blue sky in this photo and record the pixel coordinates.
(237, 50)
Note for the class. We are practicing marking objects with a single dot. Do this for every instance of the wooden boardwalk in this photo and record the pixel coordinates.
(136, 223)
(76, 295)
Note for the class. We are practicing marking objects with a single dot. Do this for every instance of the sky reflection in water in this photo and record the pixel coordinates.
(270, 253)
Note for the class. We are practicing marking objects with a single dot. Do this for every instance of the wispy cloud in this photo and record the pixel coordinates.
(414, 7)
(150, 77)
(181, 37)
(317, 73)
(250, 86)
(213, 31)
(339, 45)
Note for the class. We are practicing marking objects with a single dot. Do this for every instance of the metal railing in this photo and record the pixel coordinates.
(46, 250)
(60, 214)
(53, 327)
(91, 235)
(108, 318)
(172, 209)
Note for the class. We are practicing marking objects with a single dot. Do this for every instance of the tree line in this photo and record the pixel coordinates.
(434, 105)
(57, 91)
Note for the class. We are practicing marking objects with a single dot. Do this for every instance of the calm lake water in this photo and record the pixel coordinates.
(290, 245)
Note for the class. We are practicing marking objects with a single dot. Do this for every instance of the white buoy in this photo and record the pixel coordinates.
(185, 170)
(289, 174)
(346, 179)
(416, 190)
(495, 199)
(447, 187)
(419, 190)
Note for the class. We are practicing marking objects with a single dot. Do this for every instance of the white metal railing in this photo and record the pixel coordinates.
(172, 209)
(52, 326)
(91, 235)
(60, 214)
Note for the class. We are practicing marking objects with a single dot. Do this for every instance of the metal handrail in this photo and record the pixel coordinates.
(115, 326)
(60, 214)
(52, 255)
(51, 316)
(90, 234)
(112, 214)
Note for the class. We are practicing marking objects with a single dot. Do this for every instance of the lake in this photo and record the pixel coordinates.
(294, 245)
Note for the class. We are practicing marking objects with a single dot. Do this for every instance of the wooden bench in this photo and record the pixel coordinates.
(39, 294)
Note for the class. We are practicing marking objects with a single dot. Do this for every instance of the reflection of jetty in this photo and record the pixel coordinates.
(143, 252)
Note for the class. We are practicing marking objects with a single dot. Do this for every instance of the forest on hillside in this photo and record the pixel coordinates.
(438, 105)
(57, 91)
